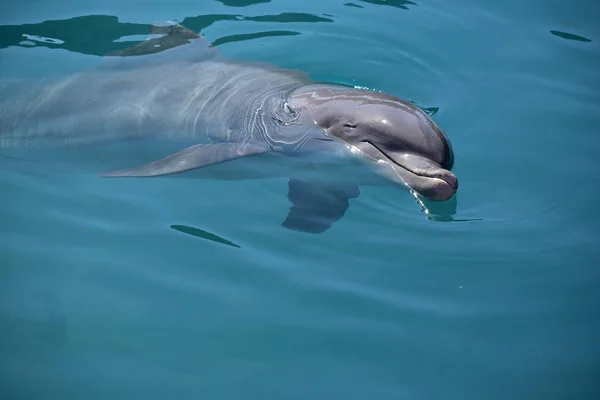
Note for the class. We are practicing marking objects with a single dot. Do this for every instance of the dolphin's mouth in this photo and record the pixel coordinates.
(422, 175)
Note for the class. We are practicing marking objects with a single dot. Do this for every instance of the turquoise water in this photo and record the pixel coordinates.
(171, 288)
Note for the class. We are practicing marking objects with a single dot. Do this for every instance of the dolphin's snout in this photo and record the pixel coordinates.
(441, 188)
(426, 177)
(435, 184)
(420, 174)
(450, 179)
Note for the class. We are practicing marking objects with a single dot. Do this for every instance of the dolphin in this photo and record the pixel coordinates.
(179, 87)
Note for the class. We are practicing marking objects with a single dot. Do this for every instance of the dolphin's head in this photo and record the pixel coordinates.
(400, 138)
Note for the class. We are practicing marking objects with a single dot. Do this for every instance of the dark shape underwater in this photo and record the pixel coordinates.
(570, 36)
(316, 207)
(402, 4)
(197, 232)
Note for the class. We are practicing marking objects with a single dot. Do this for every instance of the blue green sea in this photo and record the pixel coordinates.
(191, 289)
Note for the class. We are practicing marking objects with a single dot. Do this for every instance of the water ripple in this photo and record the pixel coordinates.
(98, 281)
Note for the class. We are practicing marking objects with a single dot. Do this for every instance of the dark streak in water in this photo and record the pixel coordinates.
(570, 36)
(403, 4)
(203, 234)
(353, 5)
(250, 36)
(289, 17)
(242, 3)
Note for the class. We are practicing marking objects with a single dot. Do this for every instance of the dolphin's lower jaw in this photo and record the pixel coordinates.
(436, 189)
(438, 185)
(420, 174)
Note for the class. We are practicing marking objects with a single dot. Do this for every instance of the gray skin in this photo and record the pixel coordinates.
(400, 138)
(232, 109)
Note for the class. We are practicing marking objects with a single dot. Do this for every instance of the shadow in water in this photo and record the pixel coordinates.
(570, 36)
(203, 235)
(316, 207)
(403, 4)
(102, 34)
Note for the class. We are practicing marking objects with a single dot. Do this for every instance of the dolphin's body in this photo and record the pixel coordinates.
(226, 110)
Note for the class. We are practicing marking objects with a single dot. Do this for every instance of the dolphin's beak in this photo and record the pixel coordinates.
(424, 176)
(435, 183)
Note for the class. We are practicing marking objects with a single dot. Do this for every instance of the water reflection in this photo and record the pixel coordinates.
(570, 36)
(93, 35)
(440, 211)
(403, 4)
(288, 17)
(249, 36)
(203, 235)
(242, 3)
(103, 34)
(353, 5)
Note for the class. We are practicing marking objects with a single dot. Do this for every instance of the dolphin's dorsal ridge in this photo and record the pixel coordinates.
(177, 43)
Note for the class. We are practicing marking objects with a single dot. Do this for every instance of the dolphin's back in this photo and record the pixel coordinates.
(75, 109)
(215, 98)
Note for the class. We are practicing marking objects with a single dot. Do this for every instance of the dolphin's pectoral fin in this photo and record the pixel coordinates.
(193, 157)
(316, 207)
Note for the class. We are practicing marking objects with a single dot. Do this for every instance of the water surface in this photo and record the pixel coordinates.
(171, 288)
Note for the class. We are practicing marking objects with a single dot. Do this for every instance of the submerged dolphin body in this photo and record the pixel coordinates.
(230, 109)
